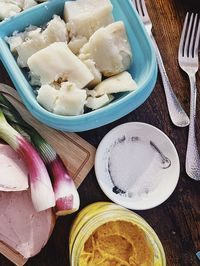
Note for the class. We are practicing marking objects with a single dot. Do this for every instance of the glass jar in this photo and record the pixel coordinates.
(97, 214)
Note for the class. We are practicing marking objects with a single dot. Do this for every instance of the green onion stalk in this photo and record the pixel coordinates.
(66, 196)
(42, 193)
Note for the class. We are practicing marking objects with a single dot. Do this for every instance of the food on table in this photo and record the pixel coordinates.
(119, 83)
(56, 31)
(68, 100)
(47, 96)
(32, 42)
(57, 63)
(84, 17)
(107, 234)
(109, 48)
(71, 100)
(10, 8)
(41, 189)
(97, 102)
(69, 62)
(76, 43)
(33, 39)
(13, 171)
(97, 76)
(17, 39)
(102, 93)
(21, 227)
(117, 243)
(66, 196)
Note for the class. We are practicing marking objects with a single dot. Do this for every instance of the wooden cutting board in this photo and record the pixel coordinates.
(76, 153)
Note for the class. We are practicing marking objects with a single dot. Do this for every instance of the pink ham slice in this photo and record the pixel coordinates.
(21, 227)
(13, 171)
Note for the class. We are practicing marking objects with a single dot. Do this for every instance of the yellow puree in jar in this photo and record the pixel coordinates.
(117, 243)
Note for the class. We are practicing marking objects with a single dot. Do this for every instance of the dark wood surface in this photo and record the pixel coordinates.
(177, 221)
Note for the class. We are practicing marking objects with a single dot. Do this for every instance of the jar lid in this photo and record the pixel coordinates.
(137, 166)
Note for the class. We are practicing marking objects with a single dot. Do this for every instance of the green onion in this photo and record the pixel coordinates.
(66, 195)
(41, 189)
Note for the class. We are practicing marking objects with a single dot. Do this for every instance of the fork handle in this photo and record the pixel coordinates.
(192, 154)
(176, 112)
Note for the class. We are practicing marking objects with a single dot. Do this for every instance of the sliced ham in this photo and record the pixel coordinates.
(21, 227)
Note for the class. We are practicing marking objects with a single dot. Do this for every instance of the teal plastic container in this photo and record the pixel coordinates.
(143, 68)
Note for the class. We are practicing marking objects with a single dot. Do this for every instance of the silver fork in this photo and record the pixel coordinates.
(188, 61)
(176, 112)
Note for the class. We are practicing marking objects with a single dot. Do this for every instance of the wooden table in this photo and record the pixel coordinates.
(177, 221)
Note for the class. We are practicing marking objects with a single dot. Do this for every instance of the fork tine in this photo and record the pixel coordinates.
(145, 12)
(181, 45)
(135, 5)
(187, 43)
(139, 8)
(196, 45)
(192, 39)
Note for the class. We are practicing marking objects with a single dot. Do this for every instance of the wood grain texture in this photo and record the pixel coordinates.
(12, 255)
(177, 221)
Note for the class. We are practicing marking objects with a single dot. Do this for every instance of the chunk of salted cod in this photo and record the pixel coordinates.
(84, 17)
(21, 227)
(13, 171)
(56, 62)
(33, 39)
(67, 100)
(96, 103)
(109, 48)
(8, 9)
(19, 3)
(119, 83)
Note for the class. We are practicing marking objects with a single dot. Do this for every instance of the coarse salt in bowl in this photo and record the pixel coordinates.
(143, 68)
